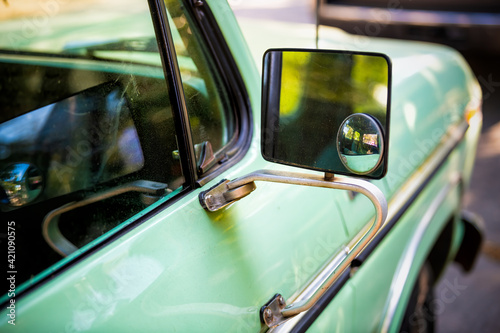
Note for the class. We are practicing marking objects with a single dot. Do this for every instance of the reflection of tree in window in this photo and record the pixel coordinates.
(356, 136)
(348, 132)
(293, 82)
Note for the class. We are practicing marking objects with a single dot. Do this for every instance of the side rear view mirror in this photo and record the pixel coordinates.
(327, 110)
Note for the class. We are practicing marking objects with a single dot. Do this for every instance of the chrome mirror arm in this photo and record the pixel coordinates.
(50, 227)
(227, 192)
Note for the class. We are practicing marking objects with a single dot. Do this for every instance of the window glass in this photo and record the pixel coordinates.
(87, 138)
(209, 108)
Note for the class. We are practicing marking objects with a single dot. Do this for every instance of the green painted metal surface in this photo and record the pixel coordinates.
(187, 270)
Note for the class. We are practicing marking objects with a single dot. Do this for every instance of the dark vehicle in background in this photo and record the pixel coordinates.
(469, 26)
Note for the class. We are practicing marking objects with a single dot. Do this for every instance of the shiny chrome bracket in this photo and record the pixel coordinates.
(221, 195)
(270, 313)
(227, 192)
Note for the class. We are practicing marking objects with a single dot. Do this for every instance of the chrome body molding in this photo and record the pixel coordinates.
(449, 141)
(405, 263)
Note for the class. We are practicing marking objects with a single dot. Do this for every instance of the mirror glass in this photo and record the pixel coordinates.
(308, 95)
(360, 144)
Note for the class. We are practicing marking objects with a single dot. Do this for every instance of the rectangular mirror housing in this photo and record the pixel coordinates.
(327, 110)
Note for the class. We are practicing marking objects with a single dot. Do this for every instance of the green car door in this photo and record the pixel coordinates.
(126, 116)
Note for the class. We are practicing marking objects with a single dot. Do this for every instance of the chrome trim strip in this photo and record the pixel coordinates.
(398, 200)
(447, 144)
(405, 195)
(410, 252)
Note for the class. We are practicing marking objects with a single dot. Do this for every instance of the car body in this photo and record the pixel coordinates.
(117, 122)
(469, 26)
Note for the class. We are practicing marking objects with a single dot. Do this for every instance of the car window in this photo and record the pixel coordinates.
(208, 105)
(87, 137)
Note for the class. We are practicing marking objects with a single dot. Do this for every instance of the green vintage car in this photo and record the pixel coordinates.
(153, 178)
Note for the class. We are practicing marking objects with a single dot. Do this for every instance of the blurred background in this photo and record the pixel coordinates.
(473, 28)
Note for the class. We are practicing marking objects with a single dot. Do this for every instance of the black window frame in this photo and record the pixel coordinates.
(233, 84)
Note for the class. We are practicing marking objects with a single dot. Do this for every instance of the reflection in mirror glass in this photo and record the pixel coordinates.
(359, 143)
(308, 94)
(20, 184)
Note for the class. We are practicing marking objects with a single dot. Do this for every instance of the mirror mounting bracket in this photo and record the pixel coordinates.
(220, 195)
(329, 176)
(227, 192)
